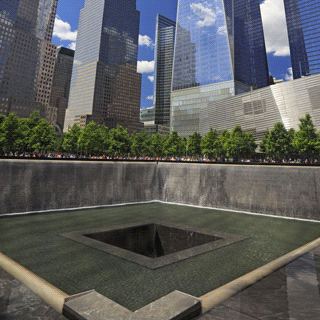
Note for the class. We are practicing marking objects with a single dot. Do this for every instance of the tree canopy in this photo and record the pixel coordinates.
(280, 143)
(120, 142)
(174, 146)
(139, 144)
(194, 145)
(211, 144)
(306, 140)
(70, 140)
(240, 144)
(277, 143)
(35, 135)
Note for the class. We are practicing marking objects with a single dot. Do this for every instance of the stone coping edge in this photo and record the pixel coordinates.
(221, 294)
(176, 305)
(94, 306)
(6, 215)
(91, 305)
(46, 291)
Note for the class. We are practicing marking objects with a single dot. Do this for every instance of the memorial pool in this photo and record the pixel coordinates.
(35, 241)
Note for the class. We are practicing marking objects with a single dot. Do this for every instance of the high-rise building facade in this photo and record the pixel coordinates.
(105, 85)
(257, 111)
(164, 49)
(304, 36)
(219, 52)
(26, 56)
(61, 83)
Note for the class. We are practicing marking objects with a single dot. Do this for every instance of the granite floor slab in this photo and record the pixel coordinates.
(17, 302)
(291, 293)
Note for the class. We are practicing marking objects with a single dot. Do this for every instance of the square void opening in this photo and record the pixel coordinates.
(153, 240)
(154, 244)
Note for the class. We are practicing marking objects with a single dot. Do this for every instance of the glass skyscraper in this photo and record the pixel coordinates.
(61, 83)
(219, 52)
(164, 48)
(26, 55)
(105, 85)
(304, 36)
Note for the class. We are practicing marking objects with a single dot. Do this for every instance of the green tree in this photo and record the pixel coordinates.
(91, 140)
(174, 145)
(211, 144)
(306, 140)
(43, 137)
(120, 142)
(105, 133)
(10, 134)
(194, 145)
(277, 143)
(59, 143)
(156, 145)
(224, 141)
(139, 144)
(23, 139)
(263, 146)
(240, 144)
(70, 140)
(27, 126)
(33, 120)
(2, 118)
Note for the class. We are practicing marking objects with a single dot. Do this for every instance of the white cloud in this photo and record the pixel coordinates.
(289, 75)
(207, 14)
(275, 27)
(222, 30)
(145, 41)
(149, 97)
(72, 46)
(145, 66)
(62, 30)
(151, 78)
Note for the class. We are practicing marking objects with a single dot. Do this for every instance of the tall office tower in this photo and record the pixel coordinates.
(61, 83)
(164, 48)
(304, 36)
(45, 78)
(26, 55)
(219, 52)
(105, 85)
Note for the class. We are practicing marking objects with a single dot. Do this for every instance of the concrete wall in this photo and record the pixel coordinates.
(42, 185)
(276, 190)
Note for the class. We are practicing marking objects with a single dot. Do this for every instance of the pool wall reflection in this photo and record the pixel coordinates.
(50, 185)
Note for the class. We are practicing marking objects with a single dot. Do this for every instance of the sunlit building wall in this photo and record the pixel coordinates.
(26, 56)
(257, 111)
(219, 52)
(105, 85)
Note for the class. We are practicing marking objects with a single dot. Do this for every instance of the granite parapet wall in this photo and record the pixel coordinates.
(277, 190)
(28, 185)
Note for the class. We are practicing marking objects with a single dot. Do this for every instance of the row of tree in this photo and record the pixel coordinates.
(34, 134)
(280, 143)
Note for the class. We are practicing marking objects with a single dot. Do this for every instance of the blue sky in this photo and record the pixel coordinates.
(66, 26)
